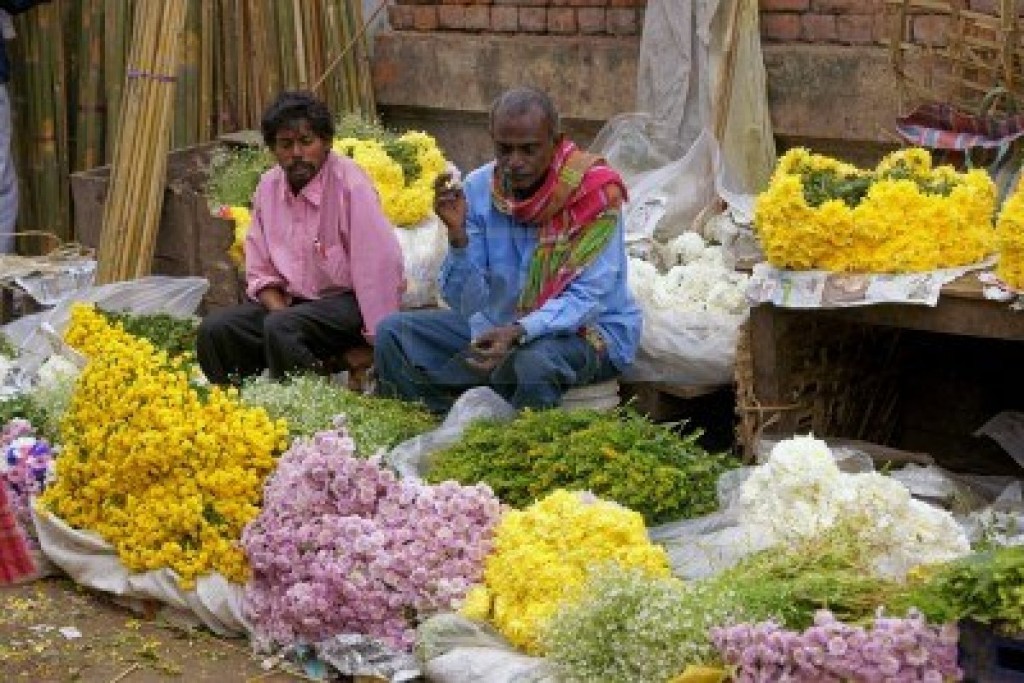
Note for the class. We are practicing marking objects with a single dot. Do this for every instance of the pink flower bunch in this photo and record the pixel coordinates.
(343, 546)
(895, 649)
(26, 466)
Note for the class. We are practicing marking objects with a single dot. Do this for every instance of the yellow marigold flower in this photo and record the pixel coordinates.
(1010, 230)
(145, 462)
(913, 217)
(542, 556)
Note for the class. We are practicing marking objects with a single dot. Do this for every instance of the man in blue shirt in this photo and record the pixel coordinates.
(535, 276)
(8, 179)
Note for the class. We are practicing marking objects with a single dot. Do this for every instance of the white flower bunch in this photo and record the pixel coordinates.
(800, 492)
(699, 279)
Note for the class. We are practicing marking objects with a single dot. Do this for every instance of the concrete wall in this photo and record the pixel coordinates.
(830, 83)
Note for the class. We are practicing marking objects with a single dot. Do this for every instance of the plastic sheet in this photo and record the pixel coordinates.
(90, 561)
(423, 250)
(454, 649)
(356, 655)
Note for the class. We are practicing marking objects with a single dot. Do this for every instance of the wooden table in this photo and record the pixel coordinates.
(785, 391)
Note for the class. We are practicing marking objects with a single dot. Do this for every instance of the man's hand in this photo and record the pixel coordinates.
(450, 207)
(491, 347)
(273, 299)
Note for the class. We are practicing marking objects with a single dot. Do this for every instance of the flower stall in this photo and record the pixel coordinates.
(560, 543)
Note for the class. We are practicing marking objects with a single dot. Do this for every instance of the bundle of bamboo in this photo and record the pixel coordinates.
(131, 216)
(235, 55)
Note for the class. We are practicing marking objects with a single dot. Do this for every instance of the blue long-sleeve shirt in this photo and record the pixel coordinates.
(483, 280)
(12, 7)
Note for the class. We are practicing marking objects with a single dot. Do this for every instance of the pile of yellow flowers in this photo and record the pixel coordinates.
(1010, 231)
(406, 201)
(542, 556)
(168, 478)
(905, 216)
(242, 217)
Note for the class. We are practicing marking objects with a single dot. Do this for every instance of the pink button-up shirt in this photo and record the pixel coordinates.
(331, 237)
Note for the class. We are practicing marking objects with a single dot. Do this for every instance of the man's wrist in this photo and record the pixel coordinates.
(458, 241)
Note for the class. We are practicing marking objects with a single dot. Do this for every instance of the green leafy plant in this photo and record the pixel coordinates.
(172, 334)
(987, 587)
(234, 174)
(821, 186)
(310, 403)
(619, 456)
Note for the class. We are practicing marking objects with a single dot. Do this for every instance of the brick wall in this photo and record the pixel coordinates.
(552, 17)
(835, 22)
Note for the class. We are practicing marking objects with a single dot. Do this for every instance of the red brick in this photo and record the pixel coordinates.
(455, 2)
(591, 20)
(845, 6)
(533, 19)
(523, 3)
(624, 21)
(417, 2)
(561, 20)
(855, 29)
(627, 3)
(930, 30)
(780, 27)
(424, 17)
(985, 6)
(400, 17)
(818, 28)
(477, 18)
(504, 19)
(784, 5)
(451, 17)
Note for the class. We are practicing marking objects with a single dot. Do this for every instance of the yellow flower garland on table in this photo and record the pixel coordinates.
(913, 217)
(169, 479)
(542, 556)
(1010, 231)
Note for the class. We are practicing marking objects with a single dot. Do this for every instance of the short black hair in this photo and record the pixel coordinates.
(292, 106)
(517, 101)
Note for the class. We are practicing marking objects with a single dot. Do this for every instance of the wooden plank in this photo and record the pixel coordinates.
(953, 315)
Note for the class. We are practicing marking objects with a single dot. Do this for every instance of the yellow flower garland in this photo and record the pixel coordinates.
(405, 201)
(896, 228)
(1010, 234)
(542, 556)
(168, 479)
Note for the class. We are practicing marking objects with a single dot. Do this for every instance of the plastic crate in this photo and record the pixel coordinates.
(987, 657)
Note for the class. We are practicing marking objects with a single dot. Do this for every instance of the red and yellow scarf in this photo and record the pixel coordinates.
(576, 211)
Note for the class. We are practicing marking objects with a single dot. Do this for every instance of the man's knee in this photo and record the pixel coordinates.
(214, 325)
(532, 365)
(388, 330)
(280, 323)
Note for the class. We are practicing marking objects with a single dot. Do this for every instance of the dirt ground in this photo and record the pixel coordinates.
(115, 646)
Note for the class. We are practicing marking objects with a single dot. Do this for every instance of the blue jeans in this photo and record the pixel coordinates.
(421, 356)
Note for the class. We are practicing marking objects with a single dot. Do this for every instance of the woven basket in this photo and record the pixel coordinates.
(983, 50)
(838, 379)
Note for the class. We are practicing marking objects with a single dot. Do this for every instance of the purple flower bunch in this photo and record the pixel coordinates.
(26, 466)
(894, 649)
(343, 546)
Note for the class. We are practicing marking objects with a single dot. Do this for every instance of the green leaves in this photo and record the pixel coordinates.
(619, 456)
(821, 186)
(988, 587)
(176, 336)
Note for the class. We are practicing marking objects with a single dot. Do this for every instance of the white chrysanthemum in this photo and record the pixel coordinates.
(641, 276)
(726, 297)
(714, 256)
(55, 370)
(686, 248)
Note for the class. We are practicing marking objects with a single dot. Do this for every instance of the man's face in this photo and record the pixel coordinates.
(523, 147)
(300, 152)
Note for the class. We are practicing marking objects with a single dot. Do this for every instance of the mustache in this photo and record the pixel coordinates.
(299, 166)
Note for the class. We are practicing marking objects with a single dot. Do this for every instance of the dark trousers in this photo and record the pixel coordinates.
(421, 356)
(244, 340)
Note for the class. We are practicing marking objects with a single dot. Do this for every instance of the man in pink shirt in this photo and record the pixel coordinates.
(322, 263)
